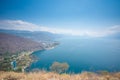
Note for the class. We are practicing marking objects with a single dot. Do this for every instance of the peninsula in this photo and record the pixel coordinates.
(15, 51)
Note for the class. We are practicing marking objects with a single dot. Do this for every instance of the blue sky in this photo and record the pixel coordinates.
(63, 14)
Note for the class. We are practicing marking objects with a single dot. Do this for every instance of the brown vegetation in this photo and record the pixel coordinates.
(42, 75)
(14, 44)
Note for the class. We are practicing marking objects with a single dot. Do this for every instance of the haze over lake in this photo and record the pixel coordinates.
(82, 54)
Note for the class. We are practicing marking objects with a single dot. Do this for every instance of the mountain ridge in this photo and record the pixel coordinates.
(35, 36)
(13, 44)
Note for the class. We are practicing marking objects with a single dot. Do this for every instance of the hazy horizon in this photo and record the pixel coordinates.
(94, 18)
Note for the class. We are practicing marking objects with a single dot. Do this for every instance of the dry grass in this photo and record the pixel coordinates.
(42, 75)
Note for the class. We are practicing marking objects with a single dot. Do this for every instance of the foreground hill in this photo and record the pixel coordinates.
(42, 75)
(13, 44)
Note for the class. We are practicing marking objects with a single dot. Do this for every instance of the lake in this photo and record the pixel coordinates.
(82, 54)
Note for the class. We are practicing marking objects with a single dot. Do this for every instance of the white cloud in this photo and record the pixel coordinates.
(22, 25)
(18, 25)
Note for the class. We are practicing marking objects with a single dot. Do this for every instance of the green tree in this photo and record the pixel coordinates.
(59, 67)
(5, 64)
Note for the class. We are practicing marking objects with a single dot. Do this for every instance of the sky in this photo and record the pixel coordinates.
(96, 18)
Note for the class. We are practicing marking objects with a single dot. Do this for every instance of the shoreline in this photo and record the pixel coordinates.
(32, 52)
(20, 61)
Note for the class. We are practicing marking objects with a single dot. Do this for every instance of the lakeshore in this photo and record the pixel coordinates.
(82, 55)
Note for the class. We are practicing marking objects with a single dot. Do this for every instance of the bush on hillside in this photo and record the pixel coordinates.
(59, 67)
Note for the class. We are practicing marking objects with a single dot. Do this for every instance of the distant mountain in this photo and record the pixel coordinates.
(36, 35)
(13, 44)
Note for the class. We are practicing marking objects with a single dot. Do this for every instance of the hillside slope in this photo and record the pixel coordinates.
(14, 44)
(42, 75)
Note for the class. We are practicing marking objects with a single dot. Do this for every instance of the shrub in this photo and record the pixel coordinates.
(5, 64)
(59, 67)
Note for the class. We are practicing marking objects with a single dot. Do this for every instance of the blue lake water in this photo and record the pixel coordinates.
(82, 54)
